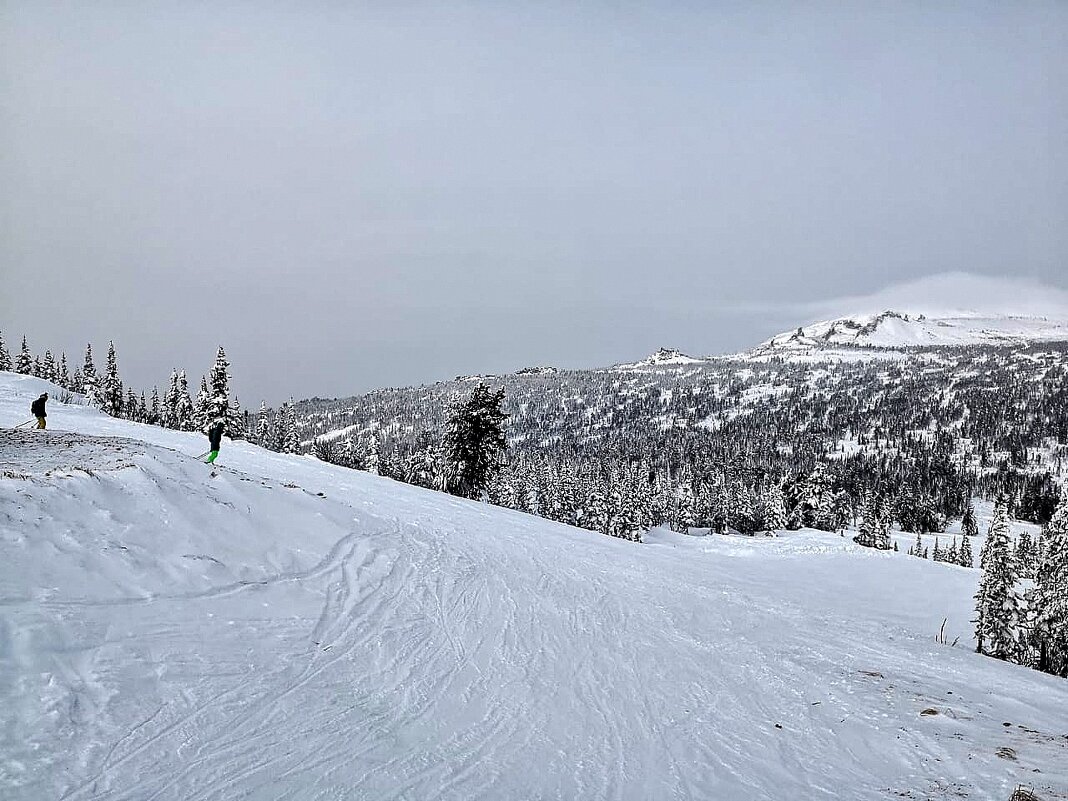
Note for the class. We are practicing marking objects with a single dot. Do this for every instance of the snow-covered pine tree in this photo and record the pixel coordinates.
(772, 509)
(24, 361)
(63, 375)
(5, 357)
(869, 522)
(917, 549)
(218, 407)
(1049, 598)
(111, 395)
(742, 514)
(624, 521)
(1025, 556)
(263, 425)
(36, 370)
(996, 603)
(287, 429)
(168, 415)
(130, 409)
(89, 378)
(237, 428)
(964, 558)
(951, 554)
(202, 408)
(936, 554)
(184, 416)
(324, 450)
(595, 511)
(568, 499)
(968, 525)
(474, 441)
(154, 411)
(48, 367)
(371, 456)
(684, 516)
(422, 467)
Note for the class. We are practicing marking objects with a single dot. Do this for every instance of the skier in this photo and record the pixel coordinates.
(37, 408)
(215, 438)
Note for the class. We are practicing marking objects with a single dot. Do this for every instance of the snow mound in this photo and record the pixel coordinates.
(282, 628)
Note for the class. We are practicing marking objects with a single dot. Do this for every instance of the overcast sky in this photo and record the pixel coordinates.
(349, 196)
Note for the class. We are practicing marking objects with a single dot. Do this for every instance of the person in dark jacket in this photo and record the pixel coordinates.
(37, 408)
(215, 438)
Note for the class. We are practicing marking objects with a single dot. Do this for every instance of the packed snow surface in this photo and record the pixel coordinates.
(892, 329)
(280, 628)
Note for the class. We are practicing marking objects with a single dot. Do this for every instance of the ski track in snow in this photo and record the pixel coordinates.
(172, 632)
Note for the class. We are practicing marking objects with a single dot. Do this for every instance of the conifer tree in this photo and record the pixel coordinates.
(869, 522)
(951, 554)
(202, 408)
(474, 441)
(154, 411)
(217, 408)
(48, 367)
(24, 362)
(36, 370)
(5, 357)
(772, 509)
(89, 378)
(371, 458)
(685, 508)
(965, 556)
(1049, 598)
(996, 603)
(352, 456)
(63, 377)
(111, 396)
(968, 526)
(289, 440)
(1025, 556)
(595, 511)
(324, 450)
(263, 425)
(238, 426)
(130, 409)
(184, 417)
(169, 412)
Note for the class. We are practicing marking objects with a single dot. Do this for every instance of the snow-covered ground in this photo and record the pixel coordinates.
(286, 629)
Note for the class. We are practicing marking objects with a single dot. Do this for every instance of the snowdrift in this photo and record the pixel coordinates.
(281, 628)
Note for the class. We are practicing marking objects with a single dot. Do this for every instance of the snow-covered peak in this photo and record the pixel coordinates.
(898, 329)
(664, 357)
(537, 371)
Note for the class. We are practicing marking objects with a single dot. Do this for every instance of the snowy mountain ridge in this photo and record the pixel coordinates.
(901, 330)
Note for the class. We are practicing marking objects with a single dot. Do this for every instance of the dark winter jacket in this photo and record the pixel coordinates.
(215, 436)
(37, 408)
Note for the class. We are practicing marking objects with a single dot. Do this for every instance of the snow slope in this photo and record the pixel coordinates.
(892, 329)
(286, 629)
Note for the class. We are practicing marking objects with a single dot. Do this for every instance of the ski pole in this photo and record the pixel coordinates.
(20, 425)
(203, 455)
